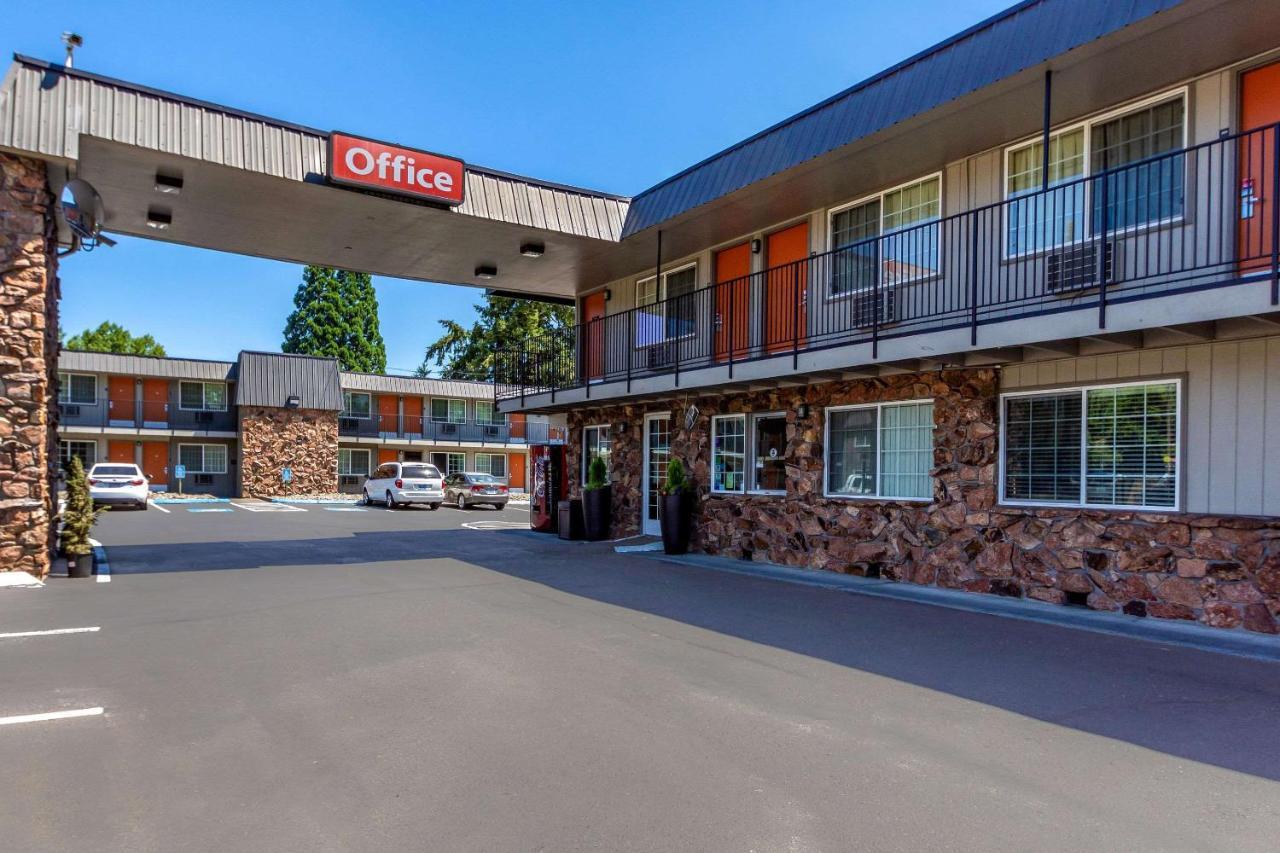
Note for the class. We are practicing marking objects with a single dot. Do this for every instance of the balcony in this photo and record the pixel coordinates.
(1190, 221)
(133, 414)
(389, 427)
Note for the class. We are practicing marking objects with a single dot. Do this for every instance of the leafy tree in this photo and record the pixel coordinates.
(80, 513)
(336, 315)
(468, 353)
(112, 337)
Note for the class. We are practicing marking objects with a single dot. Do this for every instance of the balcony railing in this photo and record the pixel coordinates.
(1194, 218)
(425, 429)
(144, 414)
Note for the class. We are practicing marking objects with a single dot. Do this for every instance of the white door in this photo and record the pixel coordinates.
(657, 453)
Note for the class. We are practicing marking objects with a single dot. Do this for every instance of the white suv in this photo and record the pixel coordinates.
(118, 483)
(396, 483)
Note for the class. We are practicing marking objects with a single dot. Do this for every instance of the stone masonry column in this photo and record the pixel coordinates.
(28, 365)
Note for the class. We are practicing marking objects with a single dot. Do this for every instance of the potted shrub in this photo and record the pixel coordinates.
(77, 522)
(675, 509)
(597, 501)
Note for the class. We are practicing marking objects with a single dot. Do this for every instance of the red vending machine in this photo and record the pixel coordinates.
(549, 485)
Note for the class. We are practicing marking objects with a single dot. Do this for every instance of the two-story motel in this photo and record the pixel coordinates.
(1004, 317)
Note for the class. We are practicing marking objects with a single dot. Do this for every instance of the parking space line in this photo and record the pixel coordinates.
(270, 507)
(51, 715)
(208, 509)
(343, 509)
(13, 635)
(155, 505)
(103, 565)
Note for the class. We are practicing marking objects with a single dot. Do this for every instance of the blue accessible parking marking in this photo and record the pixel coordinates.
(345, 509)
(209, 509)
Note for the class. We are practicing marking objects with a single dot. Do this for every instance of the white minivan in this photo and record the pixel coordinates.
(396, 483)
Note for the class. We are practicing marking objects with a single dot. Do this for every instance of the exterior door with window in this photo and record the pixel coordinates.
(733, 294)
(155, 464)
(1259, 107)
(593, 335)
(786, 287)
(121, 404)
(155, 402)
(657, 453)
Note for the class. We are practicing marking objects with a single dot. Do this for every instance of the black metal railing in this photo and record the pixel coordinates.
(424, 429)
(1183, 220)
(130, 412)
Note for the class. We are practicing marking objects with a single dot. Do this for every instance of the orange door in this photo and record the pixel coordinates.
(517, 421)
(385, 456)
(120, 399)
(733, 292)
(515, 467)
(120, 451)
(155, 463)
(155, 401)
(786, 288)
(1259, 107)
(593, 334)
(388, 414)
(413, 415)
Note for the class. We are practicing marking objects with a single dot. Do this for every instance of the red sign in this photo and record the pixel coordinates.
(364, 163)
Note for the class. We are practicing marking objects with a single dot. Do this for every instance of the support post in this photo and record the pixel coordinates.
(1275, 214)
(1044, 154)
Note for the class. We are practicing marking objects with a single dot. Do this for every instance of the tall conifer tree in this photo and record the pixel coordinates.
(336, 315)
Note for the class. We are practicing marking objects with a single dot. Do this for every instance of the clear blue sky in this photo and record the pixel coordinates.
(614, 96)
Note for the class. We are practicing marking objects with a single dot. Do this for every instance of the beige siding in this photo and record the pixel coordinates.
(1231, 414)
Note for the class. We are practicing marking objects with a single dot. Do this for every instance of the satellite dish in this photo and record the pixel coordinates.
(83, 212)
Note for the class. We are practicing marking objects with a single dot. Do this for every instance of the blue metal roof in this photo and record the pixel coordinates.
(1018, 38)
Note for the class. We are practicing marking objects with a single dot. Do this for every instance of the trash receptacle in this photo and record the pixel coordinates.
(571, 524)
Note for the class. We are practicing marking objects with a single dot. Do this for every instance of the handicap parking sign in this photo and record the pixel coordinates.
(287, 475)
(180, 471)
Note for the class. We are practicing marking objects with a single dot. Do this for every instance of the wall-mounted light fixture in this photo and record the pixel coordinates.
(756, 246)
(159, 219)
(622, 426)
(533, 250)
(293, 401)
(608, 294)
(486, 272)
(168, 184)
(802, 411)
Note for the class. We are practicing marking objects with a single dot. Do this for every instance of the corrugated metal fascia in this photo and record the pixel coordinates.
(139, 365)
(413, 386)
(269, 379)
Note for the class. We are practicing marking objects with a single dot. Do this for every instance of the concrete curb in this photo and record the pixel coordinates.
(102, 567)
(1240, 643)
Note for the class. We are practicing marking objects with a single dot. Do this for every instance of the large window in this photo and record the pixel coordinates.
(444, 411)
(749, 453)
(77, 388)
(492, 463)
(203, 458)
(880, 451)
(728, 453)
(86, 451)
(666, 306)
(356, 404)
(353, 462)
(595, 443)
(202, 396)
(887, 237)
(1145, 194)
(486, 415)
(1104, 446)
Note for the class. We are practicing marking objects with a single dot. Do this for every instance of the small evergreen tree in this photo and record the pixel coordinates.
(677, 482)
(597, 474)
(336, 315)
(112, 337)
(80, 514)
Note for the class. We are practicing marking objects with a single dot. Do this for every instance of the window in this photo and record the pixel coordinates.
(1145, 194)
(352, 462)
(203, 458)
(667, 306)
(455, 463)
(356, 404)
(595, 442)
(486, 415)
(202, 396)
(86, 451)
(880, 451)
(887, 237)
(728, 453)
(77, 388)
(769, 451)
(448, 411)
(1113, 446)
(491, 463)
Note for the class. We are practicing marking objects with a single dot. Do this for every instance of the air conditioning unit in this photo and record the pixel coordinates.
(349, 424)
(71, 411)
(348, 480)
(204, 417)
(659, 356)
(491, 431)
(448, 429)
(874, 307)
(203, 479)
(1076, 267)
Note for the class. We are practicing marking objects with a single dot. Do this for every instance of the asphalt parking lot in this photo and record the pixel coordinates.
(370, 680)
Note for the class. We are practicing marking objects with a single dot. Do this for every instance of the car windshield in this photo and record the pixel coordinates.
(482, 478)
(417, 472)
(114, 471)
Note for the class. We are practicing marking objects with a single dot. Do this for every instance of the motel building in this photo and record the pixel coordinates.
(1003, 318)
(235, 426)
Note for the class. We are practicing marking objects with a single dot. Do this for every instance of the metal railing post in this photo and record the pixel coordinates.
(629, 343)
(973, 281)
(875, 309)
(795, 315)
(733, 316)
(1101, 260)
(1275, 214)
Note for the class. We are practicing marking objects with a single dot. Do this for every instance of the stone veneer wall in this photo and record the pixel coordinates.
(1223, 571)
(272, 439)
(28, 365)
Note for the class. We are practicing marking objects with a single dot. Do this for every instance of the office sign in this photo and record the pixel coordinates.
(364, 163)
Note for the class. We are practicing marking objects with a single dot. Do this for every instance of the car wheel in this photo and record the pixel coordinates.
(143, 506)
(462, 501)
(368, 501)
(391, 502)
(433, 506)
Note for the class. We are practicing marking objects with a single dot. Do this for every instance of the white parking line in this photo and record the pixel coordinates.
(155, 505)
(103, 568)
(344, 509)
(51, 715)
(49, 633)
(208, 509)
(270, 507)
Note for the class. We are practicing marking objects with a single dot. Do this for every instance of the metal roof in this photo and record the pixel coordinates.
(1020, 37)
(145, 365)
(414, 387)
(269, 379)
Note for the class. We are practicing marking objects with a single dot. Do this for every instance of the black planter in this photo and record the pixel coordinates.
(597, 506)
(80, 565)
(675, 513)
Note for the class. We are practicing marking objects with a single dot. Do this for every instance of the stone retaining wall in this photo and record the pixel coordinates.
(302, 440)
(1223, 571)
(28, 365)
